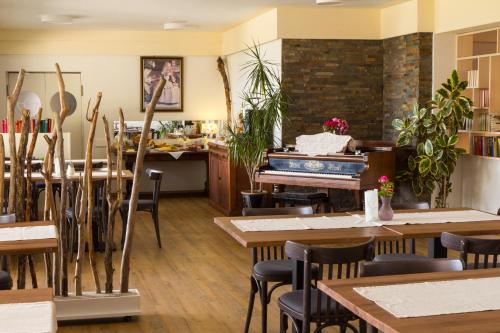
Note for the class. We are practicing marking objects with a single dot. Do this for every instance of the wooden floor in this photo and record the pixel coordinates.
(198, 281)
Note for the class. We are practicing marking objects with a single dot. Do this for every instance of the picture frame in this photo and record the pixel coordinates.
(171, 68)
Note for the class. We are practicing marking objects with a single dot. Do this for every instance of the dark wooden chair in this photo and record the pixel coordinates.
(404, 249)
(481, 247)
(373, 268)
(146, 205)
(269, 265)
(310, 305)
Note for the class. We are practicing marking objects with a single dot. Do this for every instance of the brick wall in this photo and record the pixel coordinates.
(333, 78)
(367, 82)
(407, 76)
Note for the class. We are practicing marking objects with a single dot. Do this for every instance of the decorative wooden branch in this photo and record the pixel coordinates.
(29, 166)
(20, 182)
(222, 70)
(59, 117)
(113, 204)
(2, 173)
(90, 192)
(134, 196)
(11, 106)
(50, 213)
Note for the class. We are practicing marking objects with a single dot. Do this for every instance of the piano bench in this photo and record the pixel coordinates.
(295, 198)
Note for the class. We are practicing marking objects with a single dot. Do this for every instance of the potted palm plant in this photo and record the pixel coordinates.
(265, 104)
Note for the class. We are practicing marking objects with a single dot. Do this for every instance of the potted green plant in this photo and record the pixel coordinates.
(265, 104)
(433, 132)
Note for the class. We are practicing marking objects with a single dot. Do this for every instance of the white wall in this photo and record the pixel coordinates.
(237, 77)
(118, 77)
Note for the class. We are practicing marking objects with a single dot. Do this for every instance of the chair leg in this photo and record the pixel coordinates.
(156, 221)
(263, 302)
(251, 300)
(362, 326)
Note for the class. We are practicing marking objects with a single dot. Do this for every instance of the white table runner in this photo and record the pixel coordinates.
(303, 223)
(37, 317)
(27, 233)
(426, 217)
(436, 298)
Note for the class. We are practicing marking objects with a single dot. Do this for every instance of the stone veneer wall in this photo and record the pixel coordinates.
(367, 82)
(328, 78)
(407, 76)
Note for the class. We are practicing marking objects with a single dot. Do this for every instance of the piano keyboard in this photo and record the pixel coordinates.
(306, 174)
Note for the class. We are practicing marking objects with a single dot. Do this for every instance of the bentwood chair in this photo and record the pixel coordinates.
(400, 267)
(146, 205)
(310, 305)
(269, 265)
(481, 247)
(5, 278)
(404, 249)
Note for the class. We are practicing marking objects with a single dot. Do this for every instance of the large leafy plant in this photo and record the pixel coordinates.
(265, 104)
(433, 130)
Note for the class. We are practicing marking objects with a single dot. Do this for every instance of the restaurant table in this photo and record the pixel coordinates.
(97, 174)
(129, 158)
(26, 296)
(28, 246)
(342, 292)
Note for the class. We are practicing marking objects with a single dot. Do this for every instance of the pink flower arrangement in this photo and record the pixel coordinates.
(386, 187)
(336, 125)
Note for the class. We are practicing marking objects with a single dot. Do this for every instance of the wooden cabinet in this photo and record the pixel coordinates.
(226, 181)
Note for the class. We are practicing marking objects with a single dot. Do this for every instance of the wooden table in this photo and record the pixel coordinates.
(342, 291)
(97, 174)
(31, 246)
(26, 295)
(252, 239)
(129, 158)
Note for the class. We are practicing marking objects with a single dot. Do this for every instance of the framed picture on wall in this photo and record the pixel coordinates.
(152, 70)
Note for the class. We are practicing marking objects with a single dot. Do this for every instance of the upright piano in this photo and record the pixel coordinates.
(350, 171)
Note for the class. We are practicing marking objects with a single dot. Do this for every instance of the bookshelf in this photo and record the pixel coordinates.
(478, 62)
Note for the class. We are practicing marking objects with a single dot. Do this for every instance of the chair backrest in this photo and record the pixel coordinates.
(9, 218)
(484, 247)
(305, 210)
(397, 267)
(273, 252)
(331, 263)
(155, 175)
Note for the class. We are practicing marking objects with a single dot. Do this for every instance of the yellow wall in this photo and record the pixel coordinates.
(328, 22)
(260, 29)
(90, 42)
(407, 18)
(464, 14)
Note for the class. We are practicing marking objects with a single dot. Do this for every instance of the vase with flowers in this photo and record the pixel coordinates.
(385, 192)
(336, 125)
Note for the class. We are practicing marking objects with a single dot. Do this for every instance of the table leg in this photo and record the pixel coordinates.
(436, 249)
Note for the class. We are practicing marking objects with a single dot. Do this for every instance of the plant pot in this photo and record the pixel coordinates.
(385, 212)
(254, 200)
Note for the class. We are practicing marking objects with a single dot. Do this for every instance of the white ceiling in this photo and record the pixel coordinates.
(148, 14)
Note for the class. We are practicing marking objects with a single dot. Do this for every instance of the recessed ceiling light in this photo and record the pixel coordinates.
(329, 2)
(57, 19)
(177, 25)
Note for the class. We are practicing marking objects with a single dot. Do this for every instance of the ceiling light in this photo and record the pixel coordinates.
(178, 25)
(329, 2)
(57, 19)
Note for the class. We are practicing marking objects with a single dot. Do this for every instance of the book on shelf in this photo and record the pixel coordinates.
(473, 78)
(467, 124)
(45, 125)
(486, 146)
(484, 98)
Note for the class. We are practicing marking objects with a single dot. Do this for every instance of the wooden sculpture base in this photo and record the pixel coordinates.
(96, 306)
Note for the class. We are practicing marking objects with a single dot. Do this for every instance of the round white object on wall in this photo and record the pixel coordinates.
(70, 100)
(28, 100)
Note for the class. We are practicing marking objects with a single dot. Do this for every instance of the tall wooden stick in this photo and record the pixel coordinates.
(59, 117)
(134, 196)
(227, 91)
(20, 182)
(11, 106)
(29, 166)
(50, 212)
(113, 204)
(90, 192)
